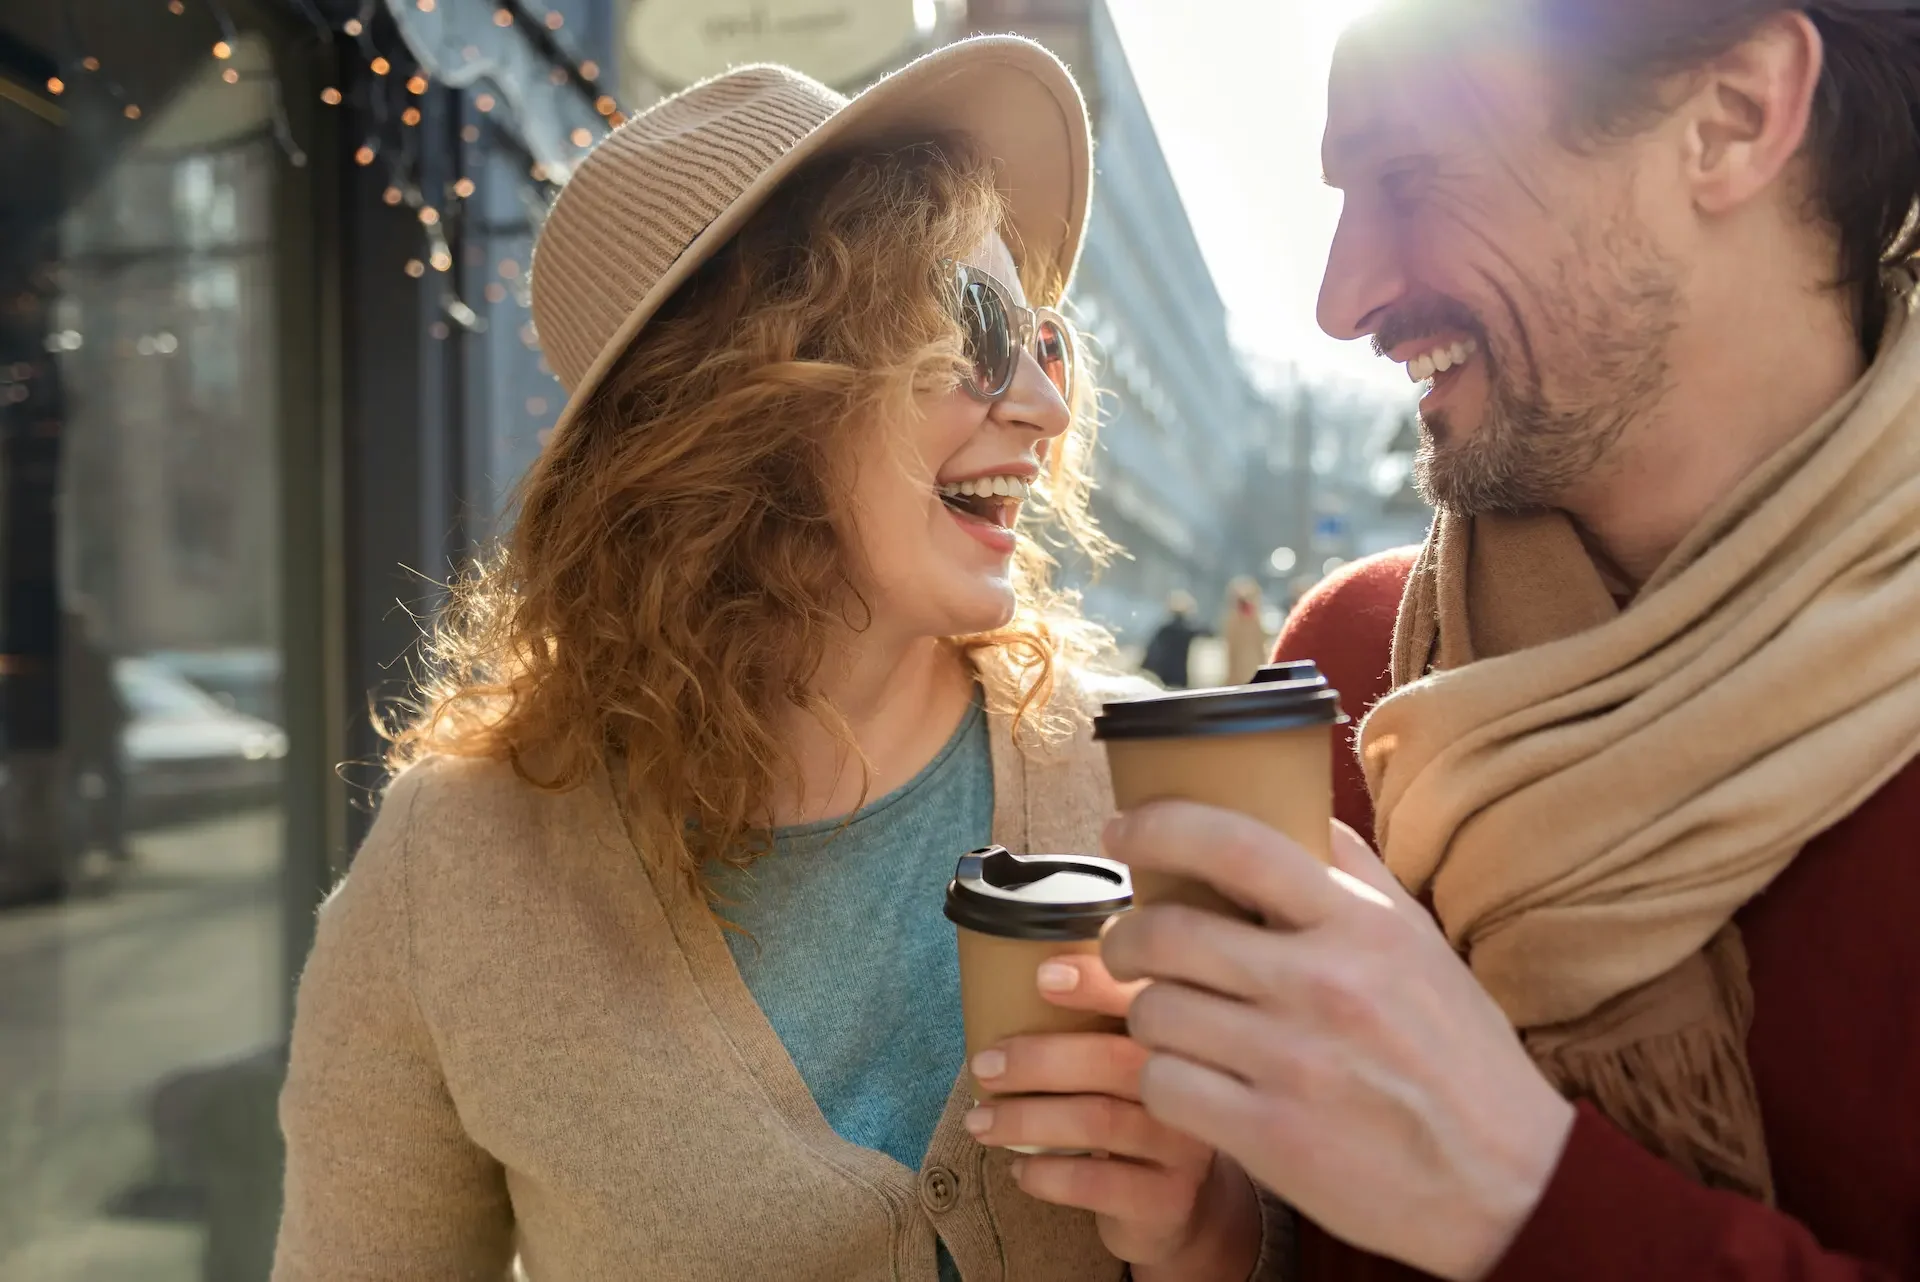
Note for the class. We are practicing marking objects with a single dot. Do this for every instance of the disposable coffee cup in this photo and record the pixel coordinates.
(1013, 912)
(1263, 749)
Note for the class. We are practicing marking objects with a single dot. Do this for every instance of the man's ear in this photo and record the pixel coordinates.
(1749, 111)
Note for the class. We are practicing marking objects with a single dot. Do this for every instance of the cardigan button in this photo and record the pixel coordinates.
(939, 1189)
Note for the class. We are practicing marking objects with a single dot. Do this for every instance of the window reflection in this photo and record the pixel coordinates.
(140, 823)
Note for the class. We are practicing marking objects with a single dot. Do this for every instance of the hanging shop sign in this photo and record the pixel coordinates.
(840, 42)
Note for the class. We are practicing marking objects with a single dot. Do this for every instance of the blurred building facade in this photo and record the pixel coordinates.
(1182, 419)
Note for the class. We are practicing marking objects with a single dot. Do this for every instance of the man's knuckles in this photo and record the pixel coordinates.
(1152, 941)
(1343, 998)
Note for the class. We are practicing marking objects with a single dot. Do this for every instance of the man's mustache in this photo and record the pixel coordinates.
(1420, 319)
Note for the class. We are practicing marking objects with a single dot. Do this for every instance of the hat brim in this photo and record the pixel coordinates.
(1007, 94)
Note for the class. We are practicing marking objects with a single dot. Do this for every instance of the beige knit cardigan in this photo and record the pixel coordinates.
(511, 1039)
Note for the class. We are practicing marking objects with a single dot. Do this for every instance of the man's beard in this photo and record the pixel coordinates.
(1604, 322)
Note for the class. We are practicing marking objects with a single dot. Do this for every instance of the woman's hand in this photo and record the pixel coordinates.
(1164, 1202)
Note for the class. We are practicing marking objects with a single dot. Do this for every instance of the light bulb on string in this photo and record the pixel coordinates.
(132, 111)
(353, 27)
(222, 50)
(470, 133)
(380, 66)
(366, 153)
(605, 105)
(590, 69)
(176, 7)
(442, 260)
(416, 85)
(502, 18)
(392, 195)
(56, 86)
(416, 268)
(231, 76)
(411, 116)
(554, 20)
(463, 188)
(581, 137)
(483, 103)
(330, 96)
(90, 62)
(429, 215)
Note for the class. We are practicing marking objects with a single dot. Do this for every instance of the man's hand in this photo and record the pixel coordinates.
(1342, 1053)
(1162, 1199)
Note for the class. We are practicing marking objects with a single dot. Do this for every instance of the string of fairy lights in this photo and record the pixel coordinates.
(392, 92)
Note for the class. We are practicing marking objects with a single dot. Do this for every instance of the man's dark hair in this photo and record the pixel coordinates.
(1863, 141)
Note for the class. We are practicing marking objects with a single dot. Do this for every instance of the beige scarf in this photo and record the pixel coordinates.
(1591, 794)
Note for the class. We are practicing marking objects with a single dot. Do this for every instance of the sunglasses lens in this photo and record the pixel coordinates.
(989, 338)
(1053, 348)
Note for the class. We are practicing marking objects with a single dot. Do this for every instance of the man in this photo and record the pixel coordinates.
(1168, 650)
(1635, 993)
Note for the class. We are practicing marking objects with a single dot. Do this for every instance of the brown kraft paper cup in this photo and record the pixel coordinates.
(1013, 912)
(1263, 749)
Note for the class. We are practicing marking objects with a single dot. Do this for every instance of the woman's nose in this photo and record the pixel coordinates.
(1033, 403)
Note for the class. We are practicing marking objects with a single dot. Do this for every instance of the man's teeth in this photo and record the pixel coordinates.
(1006, 487)
(1440, 360)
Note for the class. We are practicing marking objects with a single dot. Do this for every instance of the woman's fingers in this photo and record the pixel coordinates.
(1093, 1123)
(1081, 981)
(1063, 1064)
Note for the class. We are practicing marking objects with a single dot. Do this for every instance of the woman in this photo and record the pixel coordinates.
(642, 971)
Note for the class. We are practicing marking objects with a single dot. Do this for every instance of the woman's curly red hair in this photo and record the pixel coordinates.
(679, 565)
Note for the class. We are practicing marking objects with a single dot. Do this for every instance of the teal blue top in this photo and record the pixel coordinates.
(851, 958)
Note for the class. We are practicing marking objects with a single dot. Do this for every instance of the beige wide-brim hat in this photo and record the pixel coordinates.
(662, 193)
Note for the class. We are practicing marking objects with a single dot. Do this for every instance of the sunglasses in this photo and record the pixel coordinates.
(998, 329)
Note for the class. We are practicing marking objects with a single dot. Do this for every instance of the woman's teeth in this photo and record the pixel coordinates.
(1006, 487)
(1440, 360)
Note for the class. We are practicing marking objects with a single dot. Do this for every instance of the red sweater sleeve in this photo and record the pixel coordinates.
(1615, 1211)
(1345, 624)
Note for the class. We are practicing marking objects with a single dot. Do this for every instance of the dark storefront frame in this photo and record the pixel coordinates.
(390, 467)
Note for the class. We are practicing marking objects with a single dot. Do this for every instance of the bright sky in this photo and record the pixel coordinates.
(1238, 97)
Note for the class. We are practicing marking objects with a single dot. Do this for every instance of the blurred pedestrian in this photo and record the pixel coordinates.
(95, 718)
(1168, 652)
(1249, 644)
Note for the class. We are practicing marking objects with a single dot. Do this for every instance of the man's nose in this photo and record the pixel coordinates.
(1362, 281)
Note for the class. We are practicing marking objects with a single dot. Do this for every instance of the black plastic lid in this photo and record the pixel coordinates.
(997, 892)
(1283, 696)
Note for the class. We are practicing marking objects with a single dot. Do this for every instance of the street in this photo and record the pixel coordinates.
(174, 966)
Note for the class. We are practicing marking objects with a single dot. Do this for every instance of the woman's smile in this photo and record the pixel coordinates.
(987, 506)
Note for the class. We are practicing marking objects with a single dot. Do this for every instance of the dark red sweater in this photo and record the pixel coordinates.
(1834, 946)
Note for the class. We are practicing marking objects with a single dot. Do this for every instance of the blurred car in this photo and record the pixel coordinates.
(244, 678)
(186, 752)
